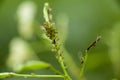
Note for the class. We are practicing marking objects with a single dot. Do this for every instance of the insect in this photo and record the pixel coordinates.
(82, 60)
(94, 43)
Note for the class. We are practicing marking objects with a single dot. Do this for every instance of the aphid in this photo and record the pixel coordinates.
(46, 24)
(82, 60)
(54, 41)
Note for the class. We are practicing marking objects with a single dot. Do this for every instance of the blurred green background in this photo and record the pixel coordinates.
(86, 19)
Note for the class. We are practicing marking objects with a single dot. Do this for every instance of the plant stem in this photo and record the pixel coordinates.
(52, 34)
(61, 62)
(84, 58)
(39, 76)
(84, 63)
(10, 74)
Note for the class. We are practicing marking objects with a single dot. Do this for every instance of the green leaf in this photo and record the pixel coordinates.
(32, 65)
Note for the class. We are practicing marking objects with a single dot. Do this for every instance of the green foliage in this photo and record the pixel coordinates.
(52, 34)
(70, 31)
(32, 65)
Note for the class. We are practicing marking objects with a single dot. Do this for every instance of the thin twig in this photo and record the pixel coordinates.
(11, 74)
(84, 58)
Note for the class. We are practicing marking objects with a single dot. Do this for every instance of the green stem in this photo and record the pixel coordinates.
(10, 74)
(65, 71)
(39, 76)
(61, 62)
(53, 36)
(84, 63)
(86, 54)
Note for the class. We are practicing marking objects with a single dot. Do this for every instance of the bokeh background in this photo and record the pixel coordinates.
(78, 21)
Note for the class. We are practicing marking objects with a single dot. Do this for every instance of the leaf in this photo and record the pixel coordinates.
(32, 65)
